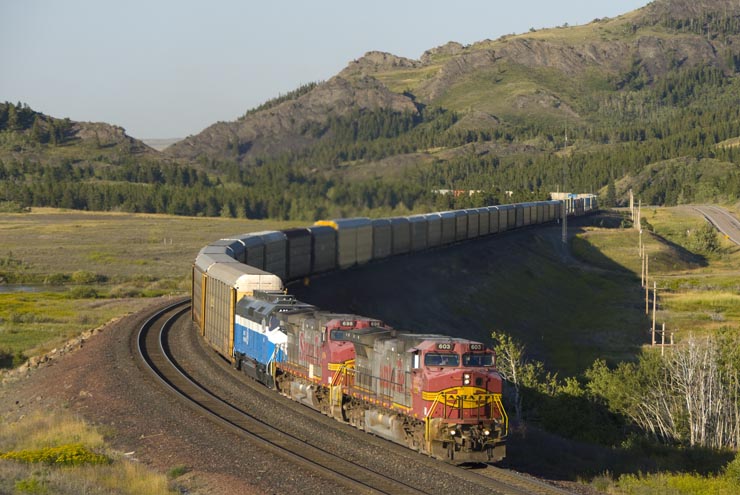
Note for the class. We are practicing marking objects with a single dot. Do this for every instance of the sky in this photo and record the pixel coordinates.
(170, 68)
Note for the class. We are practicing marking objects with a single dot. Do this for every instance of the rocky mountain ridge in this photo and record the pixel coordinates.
(501, 80)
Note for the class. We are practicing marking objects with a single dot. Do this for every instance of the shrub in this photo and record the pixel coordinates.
(65, 455)
(83, 292)
(85, 277)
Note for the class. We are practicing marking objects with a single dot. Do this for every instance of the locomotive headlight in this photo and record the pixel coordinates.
(466, 379)
(453, 432)
(486, 432)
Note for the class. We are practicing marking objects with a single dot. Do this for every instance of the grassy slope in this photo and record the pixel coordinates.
(136, 254)
(697, 293)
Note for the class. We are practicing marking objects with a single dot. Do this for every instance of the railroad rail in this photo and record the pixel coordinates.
(491, 479)
(153, 352)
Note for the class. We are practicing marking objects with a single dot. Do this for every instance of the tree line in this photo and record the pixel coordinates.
(690, 396)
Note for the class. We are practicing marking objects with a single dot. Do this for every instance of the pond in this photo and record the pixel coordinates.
(13, 288)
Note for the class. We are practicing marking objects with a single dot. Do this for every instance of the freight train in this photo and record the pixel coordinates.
(436, 394)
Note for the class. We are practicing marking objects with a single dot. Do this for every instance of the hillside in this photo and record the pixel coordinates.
(29, 134)
(637, 96)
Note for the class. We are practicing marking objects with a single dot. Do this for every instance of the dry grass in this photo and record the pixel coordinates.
(43, 431)
(106, 263)
(120, 246)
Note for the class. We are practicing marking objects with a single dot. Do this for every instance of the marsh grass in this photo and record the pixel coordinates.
(60, 454)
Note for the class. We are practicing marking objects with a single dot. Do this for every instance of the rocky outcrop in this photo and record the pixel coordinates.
(373, 62)
(292, 125)
(106, 135)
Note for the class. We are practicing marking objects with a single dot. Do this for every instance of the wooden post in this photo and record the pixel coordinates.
(655, 304)
(662, 341)
(647, 288)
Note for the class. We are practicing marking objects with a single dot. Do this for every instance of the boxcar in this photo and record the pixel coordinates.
(473, 223)
(382, 238)
(354, 240)
(419, 232)
(494, 215)
(484, 221)
(461, 225)
(400, 235)
(298, 253)
(323, 249)
(434, 229)
(275, 244)
(217, 250)
(254, 250)
(448, 226)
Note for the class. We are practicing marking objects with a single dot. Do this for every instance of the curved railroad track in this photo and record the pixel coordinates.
(154, 352)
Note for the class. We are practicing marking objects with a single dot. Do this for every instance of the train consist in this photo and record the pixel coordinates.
(436, 394)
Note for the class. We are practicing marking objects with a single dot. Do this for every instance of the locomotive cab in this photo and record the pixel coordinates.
(460, 400)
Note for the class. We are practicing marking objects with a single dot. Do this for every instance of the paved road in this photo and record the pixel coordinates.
(723, 220)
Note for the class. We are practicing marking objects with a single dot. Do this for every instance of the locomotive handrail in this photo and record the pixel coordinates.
(502, 410)
(459, 399)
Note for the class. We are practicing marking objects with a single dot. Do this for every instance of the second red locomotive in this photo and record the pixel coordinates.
(433, 393)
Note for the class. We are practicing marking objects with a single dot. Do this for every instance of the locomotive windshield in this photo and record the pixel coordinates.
(441, 359)
(475, 359)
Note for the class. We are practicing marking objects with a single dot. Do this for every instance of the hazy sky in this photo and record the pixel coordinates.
(169, 68)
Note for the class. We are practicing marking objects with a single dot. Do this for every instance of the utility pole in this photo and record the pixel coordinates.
(565, 202)
(655, 303)
(647, 286)
(662, 341)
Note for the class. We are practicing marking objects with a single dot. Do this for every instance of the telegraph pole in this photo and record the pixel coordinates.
(565, 201)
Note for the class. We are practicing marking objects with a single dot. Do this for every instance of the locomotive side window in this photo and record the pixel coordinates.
(477, 360)
(441, 359)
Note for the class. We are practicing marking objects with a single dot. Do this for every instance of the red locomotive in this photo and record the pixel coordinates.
(435, 394)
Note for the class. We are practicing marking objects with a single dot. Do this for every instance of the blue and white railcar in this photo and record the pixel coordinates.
(259, 339)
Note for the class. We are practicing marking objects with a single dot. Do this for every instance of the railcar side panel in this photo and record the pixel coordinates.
(323, 249)
(473, 223)
(434, 229)
(484, 223)
(419, 232)
(401, 235)
(254, 250)
(449, 220)
(493, 217)
(275, 252)
(382, 238)
(298, 253)
(461, 225)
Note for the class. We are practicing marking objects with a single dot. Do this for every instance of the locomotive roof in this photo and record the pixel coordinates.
(264, 303)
